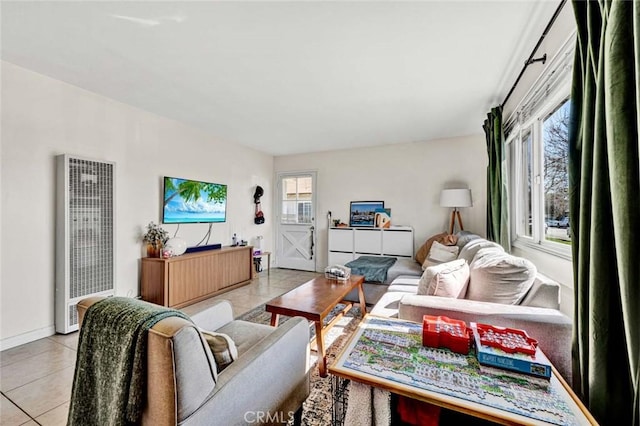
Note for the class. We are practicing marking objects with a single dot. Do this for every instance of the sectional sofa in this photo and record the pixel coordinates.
(489, 286)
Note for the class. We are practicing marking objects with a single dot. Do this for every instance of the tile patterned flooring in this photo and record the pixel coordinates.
(36, 378)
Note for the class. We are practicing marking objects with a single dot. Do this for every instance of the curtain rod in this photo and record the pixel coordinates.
(531, 60)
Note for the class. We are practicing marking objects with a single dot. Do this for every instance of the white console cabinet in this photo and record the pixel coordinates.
(346, 244)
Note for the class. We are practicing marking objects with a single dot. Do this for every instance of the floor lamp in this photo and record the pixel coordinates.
(455, 198)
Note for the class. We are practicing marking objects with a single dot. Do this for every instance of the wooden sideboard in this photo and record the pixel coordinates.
(182, 280)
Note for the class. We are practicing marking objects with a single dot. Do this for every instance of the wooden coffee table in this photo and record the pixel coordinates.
(314, 300)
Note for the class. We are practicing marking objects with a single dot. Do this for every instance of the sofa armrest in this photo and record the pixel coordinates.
(544, 293)
(550, 327)
(84, 305)
(273, 373)
(212, 318)
(215, 316)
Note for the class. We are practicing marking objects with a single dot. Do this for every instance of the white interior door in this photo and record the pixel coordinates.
(296, 236)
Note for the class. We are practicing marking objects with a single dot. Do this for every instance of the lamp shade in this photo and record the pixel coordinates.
(455, 198)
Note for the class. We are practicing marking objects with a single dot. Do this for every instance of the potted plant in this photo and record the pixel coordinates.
(155, 237)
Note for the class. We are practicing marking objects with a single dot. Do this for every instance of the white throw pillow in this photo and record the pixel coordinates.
(499, 277)
(440, 253)
(224, 349)
(448, 279)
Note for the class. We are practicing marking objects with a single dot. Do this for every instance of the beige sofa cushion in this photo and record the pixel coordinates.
(423, 252)
(440, 253)
(499, 277)
(446, 280)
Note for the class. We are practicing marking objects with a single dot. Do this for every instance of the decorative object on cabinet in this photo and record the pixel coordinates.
(383, 218)
(362, 213)
(155, 237)
(455, 198)
(176, 246)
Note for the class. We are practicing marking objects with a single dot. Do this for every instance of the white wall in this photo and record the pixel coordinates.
(42, 118)
(407, 177)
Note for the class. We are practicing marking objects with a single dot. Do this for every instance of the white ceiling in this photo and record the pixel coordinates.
(287, 77)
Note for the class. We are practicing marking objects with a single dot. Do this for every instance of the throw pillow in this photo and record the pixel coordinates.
(449, 240)
(446, 280)
(470, 250)
(499, 277)
(423, 252)
(224, 349)
(440, 253)
(465, 237)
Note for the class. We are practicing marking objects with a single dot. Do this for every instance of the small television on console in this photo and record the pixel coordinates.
(192, 201)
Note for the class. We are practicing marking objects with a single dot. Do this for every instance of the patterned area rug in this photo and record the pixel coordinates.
(317, 408)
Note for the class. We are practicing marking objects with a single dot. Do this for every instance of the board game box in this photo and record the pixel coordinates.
(510, 349)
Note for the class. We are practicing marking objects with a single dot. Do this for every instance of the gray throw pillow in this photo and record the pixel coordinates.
(500, 278)
(469, 251)
(465, 237)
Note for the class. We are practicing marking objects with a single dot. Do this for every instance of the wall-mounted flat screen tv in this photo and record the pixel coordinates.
(192, 201)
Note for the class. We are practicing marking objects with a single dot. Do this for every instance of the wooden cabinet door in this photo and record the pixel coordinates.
(235, 266)
(194, 278)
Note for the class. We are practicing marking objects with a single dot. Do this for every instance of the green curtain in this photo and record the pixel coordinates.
(497, 205)
(604, 190)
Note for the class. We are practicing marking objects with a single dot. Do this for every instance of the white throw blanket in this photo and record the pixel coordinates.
(368, 406)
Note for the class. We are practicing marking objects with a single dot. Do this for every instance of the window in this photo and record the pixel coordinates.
(537, 149)
(297, 200)
(527, 170)
(555, 140)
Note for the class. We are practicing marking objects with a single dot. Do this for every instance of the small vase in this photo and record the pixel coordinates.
(153, 250)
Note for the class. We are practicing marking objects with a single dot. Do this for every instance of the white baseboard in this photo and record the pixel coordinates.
(21, 339)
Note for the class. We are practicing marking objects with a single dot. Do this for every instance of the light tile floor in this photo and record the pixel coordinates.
(36, 378)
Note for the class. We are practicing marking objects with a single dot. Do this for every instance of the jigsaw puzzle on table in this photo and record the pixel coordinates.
(393, 350)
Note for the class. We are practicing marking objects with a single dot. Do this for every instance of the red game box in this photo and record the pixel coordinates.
(444, 332)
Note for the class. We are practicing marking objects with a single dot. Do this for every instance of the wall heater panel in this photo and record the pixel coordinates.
(85, 230)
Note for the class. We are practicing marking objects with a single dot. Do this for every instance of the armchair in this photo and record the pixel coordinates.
(266, 384)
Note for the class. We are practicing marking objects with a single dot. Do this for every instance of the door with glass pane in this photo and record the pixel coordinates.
(296, 236)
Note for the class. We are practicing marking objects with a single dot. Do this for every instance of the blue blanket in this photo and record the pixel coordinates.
(374, 268)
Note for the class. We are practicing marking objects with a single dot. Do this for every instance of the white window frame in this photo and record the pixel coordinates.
(514, 152)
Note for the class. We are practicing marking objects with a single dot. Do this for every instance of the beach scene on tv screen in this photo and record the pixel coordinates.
(189, 201)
